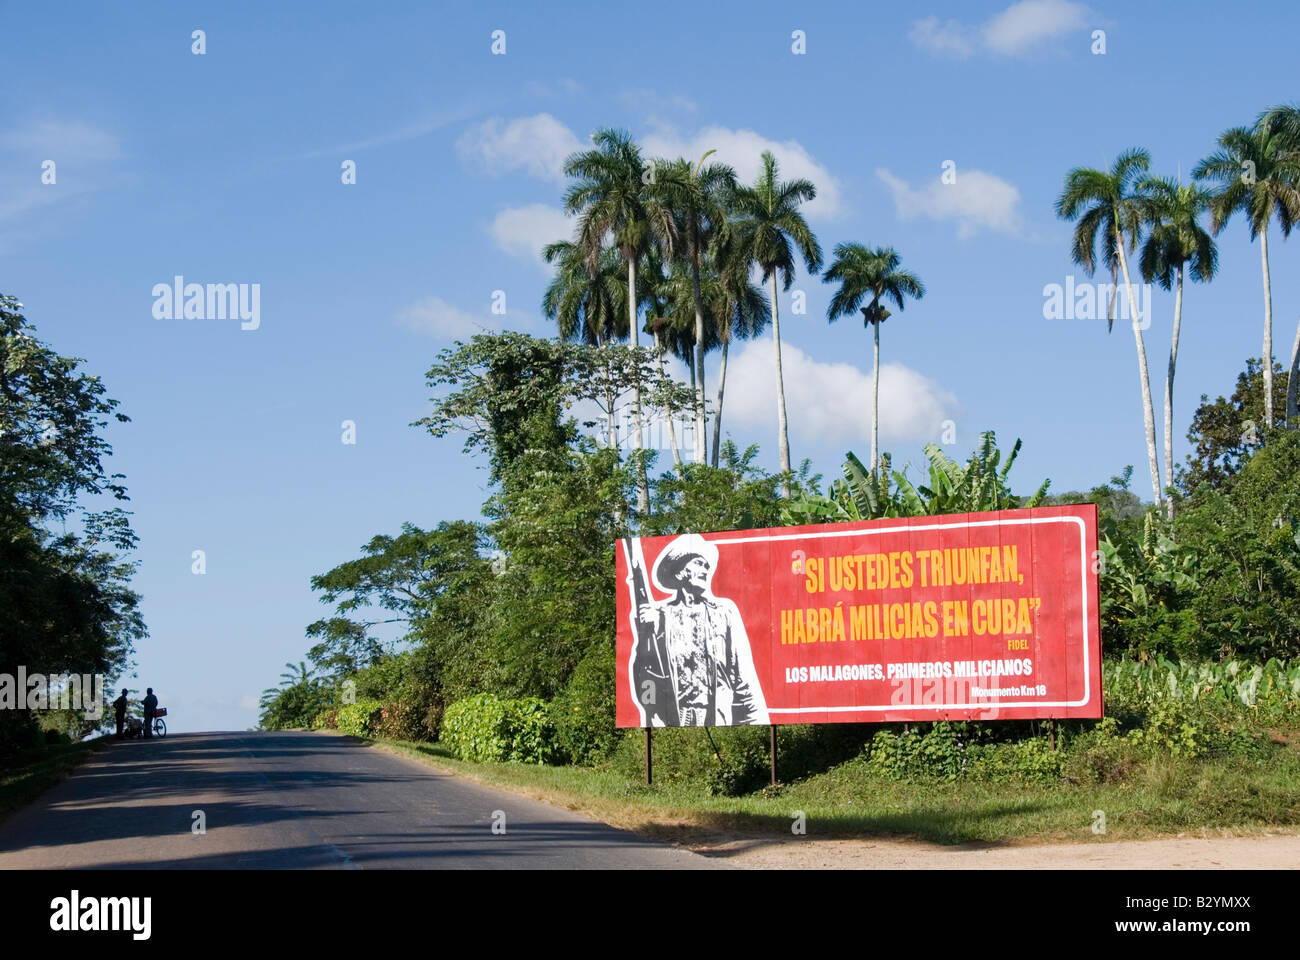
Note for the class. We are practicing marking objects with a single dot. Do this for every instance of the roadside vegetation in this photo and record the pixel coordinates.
(506, 659)
(41, 767)
(66, 604)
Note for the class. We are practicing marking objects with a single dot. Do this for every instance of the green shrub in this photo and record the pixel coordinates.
(327, 719)
(584, 713)
(415, 715)
(1020, 761)
(936, 754)
(361, 719)
(476, 729)
(746, 770)
(531, 732)
(687, 755)
(488, 729)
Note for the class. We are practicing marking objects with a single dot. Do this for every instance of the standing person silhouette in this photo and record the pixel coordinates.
(150, 704)
(119, 712)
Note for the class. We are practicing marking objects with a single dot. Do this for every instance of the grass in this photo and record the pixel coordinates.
(1162, 796)
(41, 770)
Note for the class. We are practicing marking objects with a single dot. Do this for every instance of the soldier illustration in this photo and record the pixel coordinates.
(691, 664)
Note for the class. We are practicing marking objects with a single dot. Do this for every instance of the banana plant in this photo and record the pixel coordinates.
(951, 487)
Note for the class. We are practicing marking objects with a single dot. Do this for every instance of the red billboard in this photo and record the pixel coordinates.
(976, 616)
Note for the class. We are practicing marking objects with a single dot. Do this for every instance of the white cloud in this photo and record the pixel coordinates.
(60, 141)
(80, 152)
(525, 231)
(975, 200)
(536, 146)
(743, 149)
(1020, 29)
(1024, 25)
(410, 131)
(654, 106)
(944, 37)
(436, 316)
(564, 86)
(830, 403)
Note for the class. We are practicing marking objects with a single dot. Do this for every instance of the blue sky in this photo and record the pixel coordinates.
(225, 168)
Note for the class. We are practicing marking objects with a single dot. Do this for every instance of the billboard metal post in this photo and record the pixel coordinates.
(1051, 731)
(773, 729)
(647, 756)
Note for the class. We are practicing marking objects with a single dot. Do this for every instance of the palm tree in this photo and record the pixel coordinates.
(698, 201)
(1176, 239)
(610, 199)
(742, 312)
(655, 296)
(731, 306)
(1256, 169)
(297, 675)
(771, 231)
(587, 307)
(679, 332)
(1104, 202)
(1285, 122)
(861, 273)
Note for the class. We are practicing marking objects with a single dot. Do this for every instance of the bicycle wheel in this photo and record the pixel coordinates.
(159, 728)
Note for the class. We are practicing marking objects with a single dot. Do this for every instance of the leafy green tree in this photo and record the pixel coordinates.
(1108, 207)
(770, 231)
(863, 273)
(397, 581)
(1225, 432)
(1245, 601)
(1257, 171)
(493, 388)
(552, 517)
(736, 495)
(1114, 499)
(588, 306)
(1176, 239)
(66, 597)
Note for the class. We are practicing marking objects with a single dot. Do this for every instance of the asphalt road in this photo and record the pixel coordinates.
(301, 800)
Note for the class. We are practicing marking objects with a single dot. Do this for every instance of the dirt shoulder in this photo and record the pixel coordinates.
(1267, 851)
(1209, 850)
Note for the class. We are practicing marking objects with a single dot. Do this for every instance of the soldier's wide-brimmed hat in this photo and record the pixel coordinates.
(677, 554)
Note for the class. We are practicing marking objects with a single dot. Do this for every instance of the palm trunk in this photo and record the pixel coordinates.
(1169, 389)
(1110, 307)
(875, 401)
(672, 428)
(609, 407)
(701, 437)
(638, 441)
(1268, 331)
(1148, 414)
(612, 436)
(722, 385)
(1292, 383)
(783, 436)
